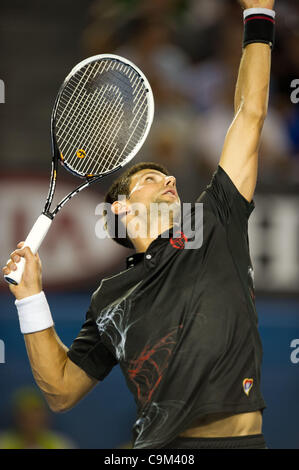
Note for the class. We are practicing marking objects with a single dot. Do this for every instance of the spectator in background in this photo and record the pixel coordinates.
(176, 44)
(31, 424)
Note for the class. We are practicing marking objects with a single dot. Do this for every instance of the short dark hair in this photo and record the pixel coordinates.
(121, 186)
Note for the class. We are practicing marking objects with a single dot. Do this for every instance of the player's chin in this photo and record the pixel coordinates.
(171, 204)
(170, 198)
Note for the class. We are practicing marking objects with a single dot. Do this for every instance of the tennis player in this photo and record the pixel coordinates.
(181, 322)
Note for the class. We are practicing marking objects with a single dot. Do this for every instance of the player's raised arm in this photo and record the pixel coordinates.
(239, 158)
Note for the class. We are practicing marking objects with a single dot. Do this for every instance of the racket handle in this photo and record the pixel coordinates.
(33, 240)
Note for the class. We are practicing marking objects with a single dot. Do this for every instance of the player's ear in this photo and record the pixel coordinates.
(120, 207)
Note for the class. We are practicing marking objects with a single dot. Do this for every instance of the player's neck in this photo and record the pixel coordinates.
(141, 244)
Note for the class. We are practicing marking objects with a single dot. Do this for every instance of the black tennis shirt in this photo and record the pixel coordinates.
(181, 323)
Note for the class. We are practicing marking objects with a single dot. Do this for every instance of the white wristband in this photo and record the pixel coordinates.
(34, 313)
(259, 11)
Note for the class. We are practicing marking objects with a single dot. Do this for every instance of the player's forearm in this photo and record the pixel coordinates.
(61, 380)
(48, 358)
(252, 89)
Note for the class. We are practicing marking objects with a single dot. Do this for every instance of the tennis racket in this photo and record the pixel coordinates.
(101, 118)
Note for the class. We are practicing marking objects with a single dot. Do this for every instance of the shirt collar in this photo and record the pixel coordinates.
(134, 259)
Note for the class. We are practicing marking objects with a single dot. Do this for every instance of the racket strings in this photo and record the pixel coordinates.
(75, 103)
(103, 111)
(99, 129)
(90, 130)
(72, 107)
(80, 166)
(94, 140)
(73, 100)
(119, 157)
(116, 129)
(109, 113)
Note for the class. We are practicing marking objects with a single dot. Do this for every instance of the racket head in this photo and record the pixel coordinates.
(102, 115)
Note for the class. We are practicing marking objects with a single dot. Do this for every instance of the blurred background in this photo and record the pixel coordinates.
(190, 50)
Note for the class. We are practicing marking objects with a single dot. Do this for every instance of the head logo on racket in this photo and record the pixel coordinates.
(81, 153)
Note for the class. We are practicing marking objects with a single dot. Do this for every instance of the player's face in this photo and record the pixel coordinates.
(151, 186)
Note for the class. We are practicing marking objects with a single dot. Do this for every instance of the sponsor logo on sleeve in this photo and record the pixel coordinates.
(247, 385)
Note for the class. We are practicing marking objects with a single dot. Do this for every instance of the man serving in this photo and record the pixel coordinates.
(181, 322)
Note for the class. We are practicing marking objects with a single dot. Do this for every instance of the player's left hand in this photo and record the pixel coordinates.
(257, 4)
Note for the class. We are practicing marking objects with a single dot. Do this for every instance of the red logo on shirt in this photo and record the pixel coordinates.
(179, 241)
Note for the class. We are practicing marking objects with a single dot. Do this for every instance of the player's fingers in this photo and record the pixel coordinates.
(15, 257)
(19, 245)
(10, 266)
(5, 270)
(24, 252)
(38, 259)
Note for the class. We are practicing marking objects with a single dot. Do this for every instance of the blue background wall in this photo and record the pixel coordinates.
(104, 418)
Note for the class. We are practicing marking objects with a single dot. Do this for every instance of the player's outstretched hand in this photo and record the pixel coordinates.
(31, 282)
(257, 4)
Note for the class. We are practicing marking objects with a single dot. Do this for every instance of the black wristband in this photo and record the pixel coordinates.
(259, 27)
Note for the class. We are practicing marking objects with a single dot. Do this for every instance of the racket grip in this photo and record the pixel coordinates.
(33, 240)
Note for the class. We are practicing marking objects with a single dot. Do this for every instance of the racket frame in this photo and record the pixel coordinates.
(56, 155)
(43, 223)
